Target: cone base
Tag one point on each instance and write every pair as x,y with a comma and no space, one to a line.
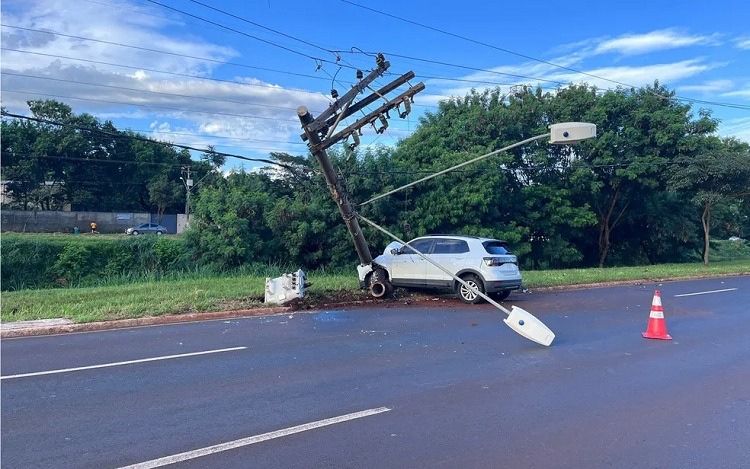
649,335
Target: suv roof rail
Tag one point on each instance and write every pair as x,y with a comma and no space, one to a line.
456,235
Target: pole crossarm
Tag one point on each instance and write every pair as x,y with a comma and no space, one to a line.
373,116
361,104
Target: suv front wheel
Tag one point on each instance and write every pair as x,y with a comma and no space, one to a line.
468,295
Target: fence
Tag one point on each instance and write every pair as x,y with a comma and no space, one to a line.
66,222
44,221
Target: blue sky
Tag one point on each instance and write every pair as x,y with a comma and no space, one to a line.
199,76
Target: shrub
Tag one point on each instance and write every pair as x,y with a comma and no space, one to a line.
44,261
73,264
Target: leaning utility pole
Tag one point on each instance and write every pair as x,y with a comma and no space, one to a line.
319,133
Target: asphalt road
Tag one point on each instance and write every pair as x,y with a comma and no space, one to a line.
441,385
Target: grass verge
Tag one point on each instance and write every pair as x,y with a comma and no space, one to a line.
246,292
553,278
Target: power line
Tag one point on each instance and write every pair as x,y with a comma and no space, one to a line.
465,67
143,139
260,26
65,182
315,77
571,166
91,160
552,64
316,59
156,51
323,48
246,116
248,103
168,72
335,52
289,36
145,13
238,139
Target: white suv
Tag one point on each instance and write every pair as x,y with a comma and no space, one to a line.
484,263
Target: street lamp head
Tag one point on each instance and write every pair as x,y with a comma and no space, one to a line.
571,132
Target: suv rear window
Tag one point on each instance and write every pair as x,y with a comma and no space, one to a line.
496,247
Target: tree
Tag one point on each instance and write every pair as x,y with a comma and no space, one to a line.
164,192
228,227
718,173
88,164
525,196
640,132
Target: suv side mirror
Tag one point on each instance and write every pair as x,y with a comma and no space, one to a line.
395,251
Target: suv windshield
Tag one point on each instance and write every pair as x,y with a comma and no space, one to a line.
496,247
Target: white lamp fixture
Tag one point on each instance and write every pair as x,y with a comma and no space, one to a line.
571,132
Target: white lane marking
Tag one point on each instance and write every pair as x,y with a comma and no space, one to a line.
706,292
253,439
129,362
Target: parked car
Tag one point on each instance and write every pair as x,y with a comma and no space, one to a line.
146,228
486,264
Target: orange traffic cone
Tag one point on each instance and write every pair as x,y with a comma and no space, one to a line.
657,327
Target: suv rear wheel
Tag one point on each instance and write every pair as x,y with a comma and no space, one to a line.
468,295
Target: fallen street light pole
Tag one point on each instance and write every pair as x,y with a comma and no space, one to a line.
520,320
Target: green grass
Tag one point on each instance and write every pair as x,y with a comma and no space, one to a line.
246,292
153,298
552,278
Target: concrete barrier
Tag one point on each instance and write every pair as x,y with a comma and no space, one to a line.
65,222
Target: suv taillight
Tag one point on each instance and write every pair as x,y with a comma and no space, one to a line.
496,261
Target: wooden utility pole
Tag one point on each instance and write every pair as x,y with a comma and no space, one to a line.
319,133
185,170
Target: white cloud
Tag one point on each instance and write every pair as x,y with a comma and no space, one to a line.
549,77
743,43
192,111
712,86
743,93
114,26
632,44
139,75
739,128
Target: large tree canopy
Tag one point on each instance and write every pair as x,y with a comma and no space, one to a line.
647,189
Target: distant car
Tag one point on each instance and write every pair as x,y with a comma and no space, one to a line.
485,264
146,228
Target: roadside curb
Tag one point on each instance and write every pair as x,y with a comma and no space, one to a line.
139,322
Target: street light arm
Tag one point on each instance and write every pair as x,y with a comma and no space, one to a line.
461,165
